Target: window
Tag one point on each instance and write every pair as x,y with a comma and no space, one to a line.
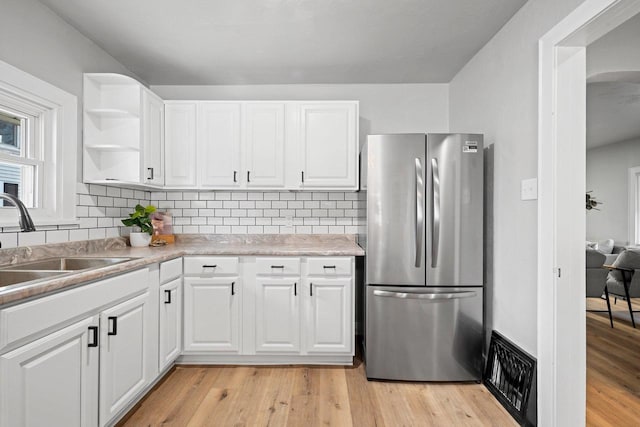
19,164
634,206
38,143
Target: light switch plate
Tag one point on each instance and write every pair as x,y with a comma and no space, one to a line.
529,189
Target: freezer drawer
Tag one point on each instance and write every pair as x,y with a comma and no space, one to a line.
424,334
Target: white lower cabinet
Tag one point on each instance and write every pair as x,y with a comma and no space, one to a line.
212,314
277,315
52,381
170,314
329,315
123,355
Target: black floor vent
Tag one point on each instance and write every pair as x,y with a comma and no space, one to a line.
508,376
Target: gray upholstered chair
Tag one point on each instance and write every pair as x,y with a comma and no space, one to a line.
596,278
622,280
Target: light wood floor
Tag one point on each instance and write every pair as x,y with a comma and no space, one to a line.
310,396
337,396
613,367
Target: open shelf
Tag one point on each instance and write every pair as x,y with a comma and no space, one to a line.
112,147
113,113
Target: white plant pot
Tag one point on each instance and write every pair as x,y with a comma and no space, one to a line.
139,240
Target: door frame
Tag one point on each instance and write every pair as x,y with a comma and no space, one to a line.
561,261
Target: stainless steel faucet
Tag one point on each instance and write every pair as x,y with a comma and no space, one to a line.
26,223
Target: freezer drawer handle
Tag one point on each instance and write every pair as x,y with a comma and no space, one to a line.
419,213
430,296
435,212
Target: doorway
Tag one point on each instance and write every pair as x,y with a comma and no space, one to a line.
561,213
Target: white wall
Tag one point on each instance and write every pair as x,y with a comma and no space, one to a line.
496,93
37,41
616,51
607,177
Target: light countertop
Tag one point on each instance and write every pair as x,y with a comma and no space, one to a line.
241,245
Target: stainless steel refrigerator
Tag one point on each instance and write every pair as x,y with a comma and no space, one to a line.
424,257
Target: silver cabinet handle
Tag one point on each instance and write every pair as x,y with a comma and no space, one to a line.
419,199
435,212
428,296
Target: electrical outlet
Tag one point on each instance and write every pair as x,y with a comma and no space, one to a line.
529,189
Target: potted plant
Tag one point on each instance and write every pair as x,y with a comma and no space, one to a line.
140,218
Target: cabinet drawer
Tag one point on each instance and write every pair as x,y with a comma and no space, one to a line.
40,315
209,265
278,266
169,270
329,266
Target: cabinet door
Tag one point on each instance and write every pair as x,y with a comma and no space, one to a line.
123,359
52,381
170,322
180,143
277,321
329,322
219,144
212,314
264,132
153,137
329,145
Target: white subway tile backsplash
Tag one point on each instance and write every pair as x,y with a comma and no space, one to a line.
231,221
81,234
98,190
205,195
32,238
8,240
113,192
100,210
224,229
97,233
57,236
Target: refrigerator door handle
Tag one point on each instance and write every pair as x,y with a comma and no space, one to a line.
424,296
419,212
435,212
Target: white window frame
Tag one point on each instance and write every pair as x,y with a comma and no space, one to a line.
634,206
55,118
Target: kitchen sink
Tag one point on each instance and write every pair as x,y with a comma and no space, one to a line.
12,277
67,264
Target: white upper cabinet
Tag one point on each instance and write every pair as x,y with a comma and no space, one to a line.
153,137
264,135
122,132
329,145
219,144
180,143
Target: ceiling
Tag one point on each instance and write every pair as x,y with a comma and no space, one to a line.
289,41
613,112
